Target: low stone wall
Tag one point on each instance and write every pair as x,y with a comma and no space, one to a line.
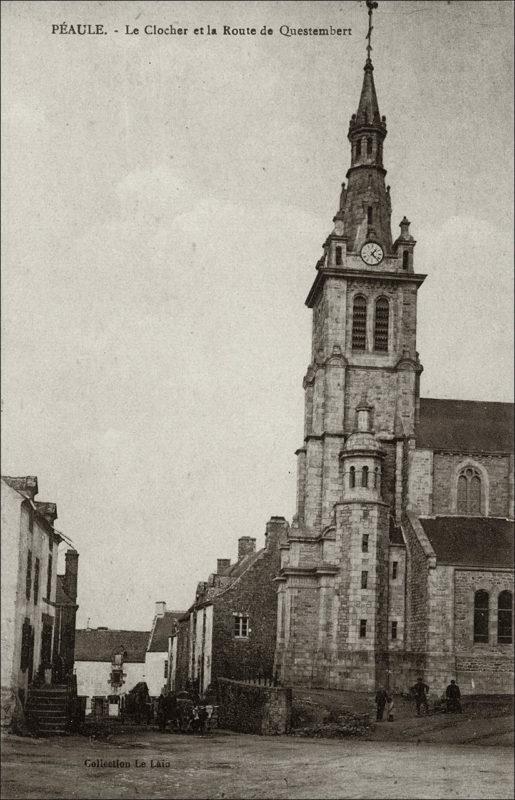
250,708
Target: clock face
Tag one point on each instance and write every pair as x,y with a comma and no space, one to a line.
372,253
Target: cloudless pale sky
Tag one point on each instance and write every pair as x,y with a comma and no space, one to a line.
165,202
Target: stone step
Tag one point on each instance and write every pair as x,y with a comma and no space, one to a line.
50,713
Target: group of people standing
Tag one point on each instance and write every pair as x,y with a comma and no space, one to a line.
419,692
185,710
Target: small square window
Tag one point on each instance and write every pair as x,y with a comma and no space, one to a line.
364,579
394,629
241,626
362,629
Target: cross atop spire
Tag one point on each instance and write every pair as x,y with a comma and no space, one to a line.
370,5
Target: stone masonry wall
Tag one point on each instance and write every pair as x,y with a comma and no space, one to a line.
249,708
445,476
253,594
421,482
396,596
482,667
417,597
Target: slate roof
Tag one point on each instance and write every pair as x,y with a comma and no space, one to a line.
163,628
465,426
99,645
471,541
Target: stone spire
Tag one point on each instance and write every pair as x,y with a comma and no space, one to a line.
368,108
366,210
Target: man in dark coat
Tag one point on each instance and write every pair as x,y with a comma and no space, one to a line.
162,709
381,700
453,698
420,691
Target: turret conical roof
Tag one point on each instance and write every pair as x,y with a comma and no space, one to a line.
368,108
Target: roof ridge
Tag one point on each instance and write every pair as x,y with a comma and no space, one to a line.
467,400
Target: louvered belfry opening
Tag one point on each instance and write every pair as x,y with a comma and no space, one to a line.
359,323
381,325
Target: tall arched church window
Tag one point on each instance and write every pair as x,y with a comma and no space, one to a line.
468,497
505,618
381,324
358,148
352,477
481,613
364,476
359,323
369,146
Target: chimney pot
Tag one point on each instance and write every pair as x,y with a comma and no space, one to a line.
71,570
246,546
222,564
160,608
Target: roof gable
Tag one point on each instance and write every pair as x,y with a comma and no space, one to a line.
465,426
163,629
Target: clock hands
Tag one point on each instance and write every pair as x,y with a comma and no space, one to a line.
372,253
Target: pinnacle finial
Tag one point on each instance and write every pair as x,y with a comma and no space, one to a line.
370,5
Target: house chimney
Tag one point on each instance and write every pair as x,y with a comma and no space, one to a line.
160,608
71,571
246,546
276,530
222,564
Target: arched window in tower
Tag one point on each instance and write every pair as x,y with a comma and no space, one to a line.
381,324
359,323
376,478
405,260
369,146
468,495
364,476
358,148
505,618
352,477
380,151
338,255
370,214
481,614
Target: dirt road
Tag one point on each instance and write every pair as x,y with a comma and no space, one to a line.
225,765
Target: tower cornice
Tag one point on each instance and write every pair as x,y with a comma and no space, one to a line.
328,272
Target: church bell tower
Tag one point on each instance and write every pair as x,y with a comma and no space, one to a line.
361,404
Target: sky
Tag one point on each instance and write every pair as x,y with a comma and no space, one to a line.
165,202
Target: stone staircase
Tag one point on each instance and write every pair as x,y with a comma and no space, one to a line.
47,709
